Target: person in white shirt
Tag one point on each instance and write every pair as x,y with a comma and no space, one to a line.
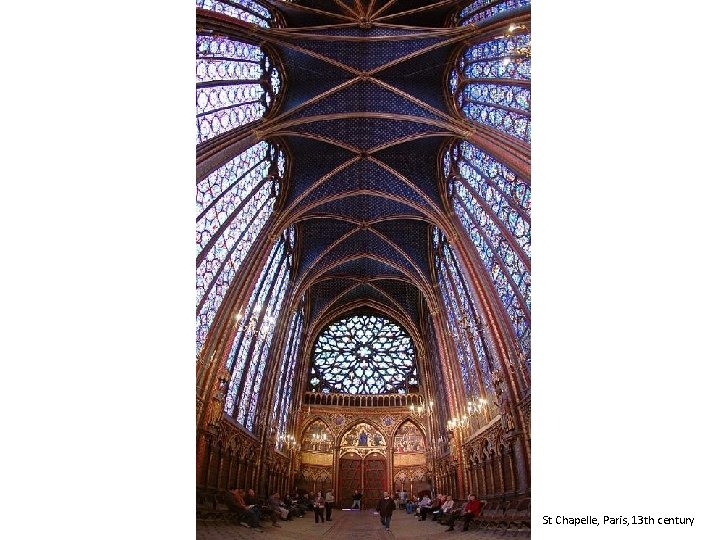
425,502
329,503
445,509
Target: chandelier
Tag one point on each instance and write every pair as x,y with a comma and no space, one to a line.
521,53
288,440
421,410
474,408
251,326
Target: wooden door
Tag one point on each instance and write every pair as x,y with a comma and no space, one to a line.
350,477
375,479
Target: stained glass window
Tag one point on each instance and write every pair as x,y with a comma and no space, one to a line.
480,10
363,354
464,320
245,10
236,84
433,383
256,327
233,204
493,205
491,81
284,390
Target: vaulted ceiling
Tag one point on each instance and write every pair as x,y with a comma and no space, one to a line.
364,118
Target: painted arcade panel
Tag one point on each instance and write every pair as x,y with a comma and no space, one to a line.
363,436
317,438
408,439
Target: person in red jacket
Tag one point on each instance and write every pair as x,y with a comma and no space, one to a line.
471,510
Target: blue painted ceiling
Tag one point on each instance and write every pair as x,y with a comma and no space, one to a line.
370,97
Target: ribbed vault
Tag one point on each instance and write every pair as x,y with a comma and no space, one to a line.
364,119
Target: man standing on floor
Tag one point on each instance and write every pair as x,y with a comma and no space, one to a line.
356,500
385,506
329,503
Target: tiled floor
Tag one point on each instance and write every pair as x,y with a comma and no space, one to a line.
346,525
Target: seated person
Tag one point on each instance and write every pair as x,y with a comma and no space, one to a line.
410,504
295,510
470,510
252,501
306,502
276,507
434,505
445,509
424,502
236,502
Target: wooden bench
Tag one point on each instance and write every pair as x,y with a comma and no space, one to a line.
517,516
210,506
456,509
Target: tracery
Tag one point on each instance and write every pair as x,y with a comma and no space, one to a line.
256,328
490,85
479,10
464,319
233,204
363,354
236,84
284,390
493,206
245,10
491,80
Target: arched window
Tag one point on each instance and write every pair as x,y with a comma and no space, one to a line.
363,354
256,327
433,386
245,10
464,320
233,204
493,205
480,10
236,84
491,80
284,390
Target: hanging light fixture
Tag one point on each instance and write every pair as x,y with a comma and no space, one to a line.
520,53
420,410
251,326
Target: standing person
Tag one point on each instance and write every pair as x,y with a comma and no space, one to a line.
356,500
470,510
403,498
329,503
319,507
385,506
